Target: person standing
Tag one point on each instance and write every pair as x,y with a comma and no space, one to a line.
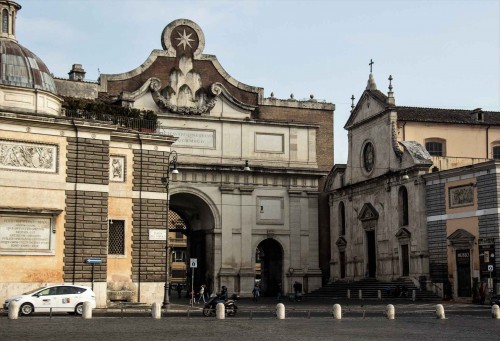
179,290
482,292
201,294
256,292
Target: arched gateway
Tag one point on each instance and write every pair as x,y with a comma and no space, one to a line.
250,173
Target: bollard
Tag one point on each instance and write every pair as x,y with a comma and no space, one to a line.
13,310
379,294
495,311
220,311
390,313
413,295
280,311
348,293
440,311
360,294
156,311
87,310
337,312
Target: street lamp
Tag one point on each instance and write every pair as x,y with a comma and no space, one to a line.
172,160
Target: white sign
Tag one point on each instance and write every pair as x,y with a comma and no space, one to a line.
490,268
193,262
157,234
21,233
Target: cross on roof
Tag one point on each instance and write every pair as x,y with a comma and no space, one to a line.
371,64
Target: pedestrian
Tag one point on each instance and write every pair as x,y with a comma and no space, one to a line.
256,292
482,292
280,292
201,294
179,290
297,289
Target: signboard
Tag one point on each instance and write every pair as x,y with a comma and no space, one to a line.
487,258
193,262
25,234
155,234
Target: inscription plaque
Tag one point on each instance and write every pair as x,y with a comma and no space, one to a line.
25,234
192,138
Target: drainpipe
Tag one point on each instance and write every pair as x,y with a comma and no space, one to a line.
140,224
487,141
75,128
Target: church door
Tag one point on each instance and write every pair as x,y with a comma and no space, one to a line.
342,264
463,273
372,254
405,260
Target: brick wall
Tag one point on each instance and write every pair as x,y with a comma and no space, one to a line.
92,166
86,227
324,137
86,235
150,171
148,256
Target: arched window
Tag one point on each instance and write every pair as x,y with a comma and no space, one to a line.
403,206
5,21
342,219
436,146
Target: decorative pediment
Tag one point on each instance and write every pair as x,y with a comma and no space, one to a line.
341,244
371,103
403,233
367,213
461,238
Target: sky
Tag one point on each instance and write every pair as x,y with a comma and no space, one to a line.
441,53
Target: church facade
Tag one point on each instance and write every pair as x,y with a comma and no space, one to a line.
82,184
384,222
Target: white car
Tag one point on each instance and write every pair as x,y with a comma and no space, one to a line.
61,298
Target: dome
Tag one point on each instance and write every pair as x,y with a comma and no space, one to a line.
21,67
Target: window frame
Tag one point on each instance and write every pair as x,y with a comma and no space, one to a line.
436,140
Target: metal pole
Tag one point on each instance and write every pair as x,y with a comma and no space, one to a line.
166,182
92,276
192,286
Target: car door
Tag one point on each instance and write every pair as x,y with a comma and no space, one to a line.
45,299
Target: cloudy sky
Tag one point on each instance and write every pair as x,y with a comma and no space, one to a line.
441,53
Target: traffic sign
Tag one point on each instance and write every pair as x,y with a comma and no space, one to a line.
193,262
93,260
490,268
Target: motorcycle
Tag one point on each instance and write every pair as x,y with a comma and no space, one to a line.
229,305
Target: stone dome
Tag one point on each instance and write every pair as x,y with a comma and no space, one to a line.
25,81
21,67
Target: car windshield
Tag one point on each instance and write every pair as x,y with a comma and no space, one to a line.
32,291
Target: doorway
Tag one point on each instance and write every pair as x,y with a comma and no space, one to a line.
372,254
342,264
463,273
405,260
269,266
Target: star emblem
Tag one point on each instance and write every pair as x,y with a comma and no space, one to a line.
184,39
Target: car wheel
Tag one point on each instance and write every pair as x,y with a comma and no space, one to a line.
79,309
27,309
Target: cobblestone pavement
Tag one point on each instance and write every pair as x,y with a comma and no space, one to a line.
307,320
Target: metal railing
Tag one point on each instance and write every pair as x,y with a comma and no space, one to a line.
137,124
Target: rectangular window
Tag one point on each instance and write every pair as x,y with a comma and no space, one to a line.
434,148
116,237
496,152
179,256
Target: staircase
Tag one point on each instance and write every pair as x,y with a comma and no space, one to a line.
370,288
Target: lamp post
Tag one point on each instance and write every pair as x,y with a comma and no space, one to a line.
172,160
